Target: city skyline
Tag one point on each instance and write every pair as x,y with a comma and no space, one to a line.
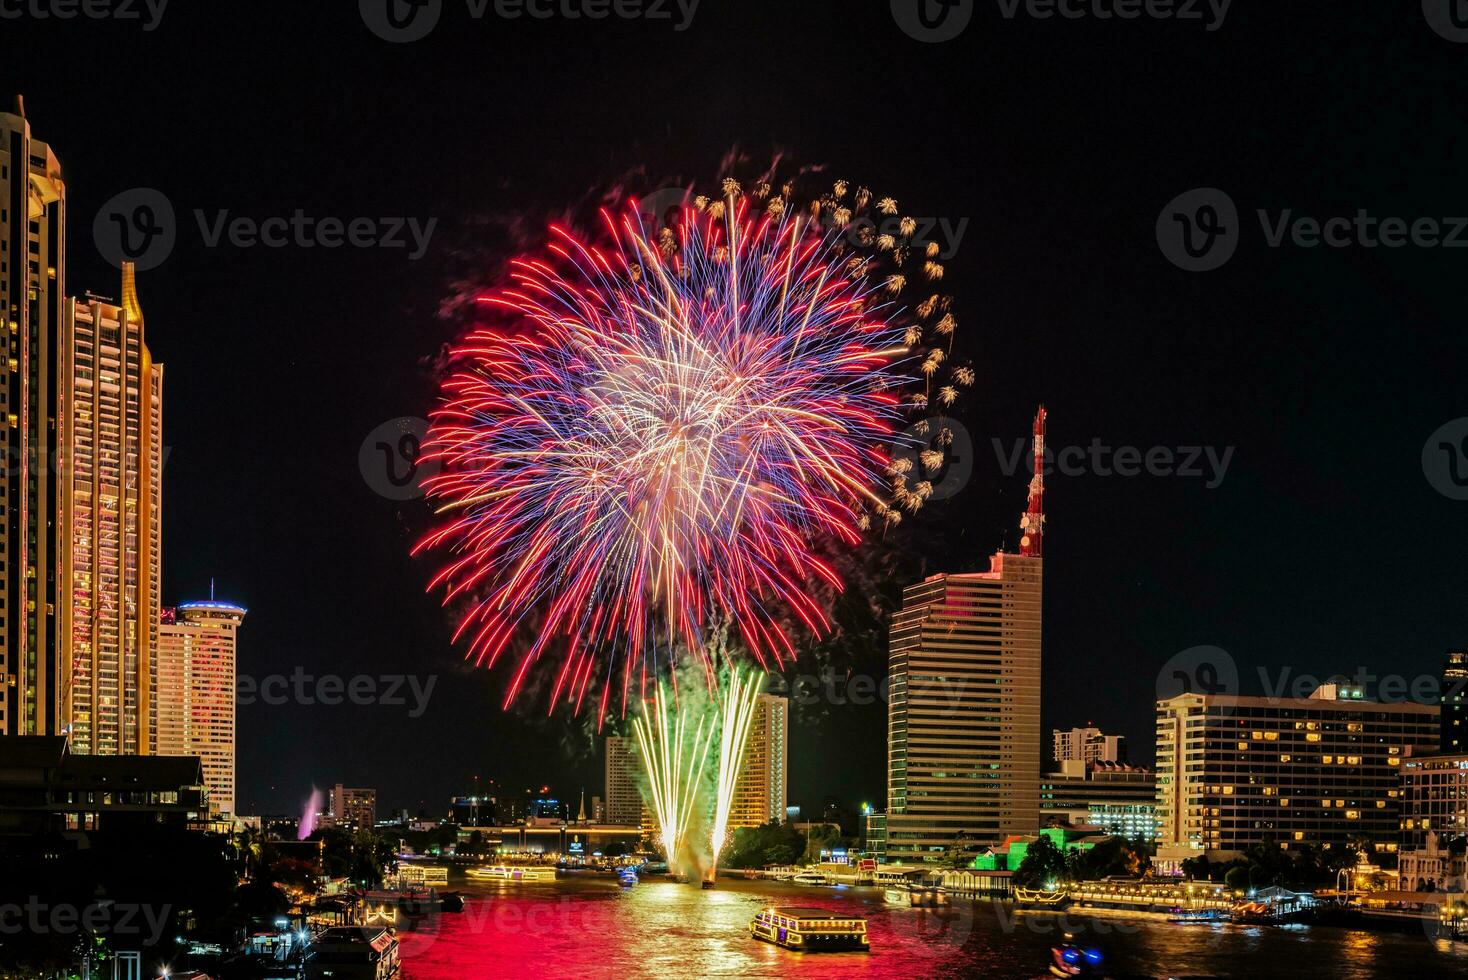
1225,587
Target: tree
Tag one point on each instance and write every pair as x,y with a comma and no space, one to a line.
1043,864
821,838
1237,876
773,843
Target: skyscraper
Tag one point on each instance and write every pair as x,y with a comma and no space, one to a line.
111,513
1454,699
761,790
963,753
623,800
32,291
196,660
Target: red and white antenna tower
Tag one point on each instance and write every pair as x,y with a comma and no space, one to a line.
1032,524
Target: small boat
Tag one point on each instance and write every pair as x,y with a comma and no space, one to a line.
627,877
809,878
1185,917
1040,898
810,930
1070,959
501,872
917,896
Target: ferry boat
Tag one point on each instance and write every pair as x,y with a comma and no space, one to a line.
917,896
353,954
809,878
810,930
501,872
1197,916
1040,898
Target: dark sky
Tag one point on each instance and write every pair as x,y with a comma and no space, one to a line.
1325,369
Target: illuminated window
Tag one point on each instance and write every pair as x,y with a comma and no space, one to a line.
1312,737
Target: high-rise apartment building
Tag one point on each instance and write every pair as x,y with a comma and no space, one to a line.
80,508
623,799
1325,770
1454,701
761,790
963,714
357,807
112,514
1087,745
196,661
32,307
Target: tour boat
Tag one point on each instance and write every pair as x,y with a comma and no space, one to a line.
810,930
501,872
916,896
809,878
1197,916
1041,898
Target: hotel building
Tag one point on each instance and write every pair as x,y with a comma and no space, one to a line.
355,807
760,792
1087,745
112,514
1234,771
623,800
963,712
32,304
196,691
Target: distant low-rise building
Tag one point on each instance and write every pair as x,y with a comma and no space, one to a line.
1116,798
45,789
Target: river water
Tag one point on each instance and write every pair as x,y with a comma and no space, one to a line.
587,926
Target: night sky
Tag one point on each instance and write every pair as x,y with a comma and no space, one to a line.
1325,546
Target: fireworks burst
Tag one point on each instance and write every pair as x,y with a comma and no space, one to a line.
654,436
